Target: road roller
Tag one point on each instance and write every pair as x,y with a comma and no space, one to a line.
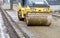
35,12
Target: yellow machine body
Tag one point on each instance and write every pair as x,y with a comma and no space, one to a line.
36,9
35,15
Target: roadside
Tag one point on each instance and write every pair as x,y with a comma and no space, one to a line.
3,29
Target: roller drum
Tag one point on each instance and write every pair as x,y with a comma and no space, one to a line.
35,20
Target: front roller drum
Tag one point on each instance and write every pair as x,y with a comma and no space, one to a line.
34,21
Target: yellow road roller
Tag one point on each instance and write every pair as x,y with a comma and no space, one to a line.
35,12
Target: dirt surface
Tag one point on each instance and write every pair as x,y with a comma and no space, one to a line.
52,31
47,32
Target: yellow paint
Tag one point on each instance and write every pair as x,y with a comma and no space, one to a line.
22,11
43,9
28,9
50,10
19,7
37,9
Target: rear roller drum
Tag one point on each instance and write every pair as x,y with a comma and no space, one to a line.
38,21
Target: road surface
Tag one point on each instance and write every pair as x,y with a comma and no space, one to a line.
52,31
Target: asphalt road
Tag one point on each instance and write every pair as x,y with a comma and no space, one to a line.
52,31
